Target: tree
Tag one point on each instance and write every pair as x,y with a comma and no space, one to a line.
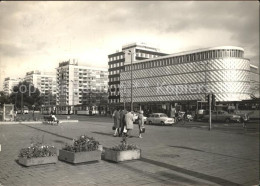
4,99
25,94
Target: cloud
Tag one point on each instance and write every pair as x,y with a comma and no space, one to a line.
42,33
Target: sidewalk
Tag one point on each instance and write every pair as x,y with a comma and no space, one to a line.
170,156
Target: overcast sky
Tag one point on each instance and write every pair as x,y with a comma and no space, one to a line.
39,35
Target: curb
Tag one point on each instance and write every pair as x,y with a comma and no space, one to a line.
20,122
34,122
69,121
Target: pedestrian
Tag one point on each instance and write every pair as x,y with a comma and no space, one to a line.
113,114
122,121
129,119
176,117
141,123
116,122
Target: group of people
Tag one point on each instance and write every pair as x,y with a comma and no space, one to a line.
123,122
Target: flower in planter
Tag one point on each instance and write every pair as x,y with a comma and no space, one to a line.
83,143
124,146
37,150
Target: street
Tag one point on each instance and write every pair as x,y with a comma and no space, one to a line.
178,155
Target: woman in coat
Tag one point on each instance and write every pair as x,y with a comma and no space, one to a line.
141,122
122,121
116,122
129,118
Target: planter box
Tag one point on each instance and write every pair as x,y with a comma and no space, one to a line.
79,157
118,156
37,161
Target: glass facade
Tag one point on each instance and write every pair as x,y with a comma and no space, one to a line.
189,76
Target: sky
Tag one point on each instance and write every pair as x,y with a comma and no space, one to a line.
37,35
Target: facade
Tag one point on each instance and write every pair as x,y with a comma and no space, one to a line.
80,85
46,83
134,52
254,81
9,84
188,77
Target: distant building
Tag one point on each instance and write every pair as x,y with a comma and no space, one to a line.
117,61
46,83
185,78
9,83
80,86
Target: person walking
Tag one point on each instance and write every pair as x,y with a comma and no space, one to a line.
129,119
116,122
141,122
122,121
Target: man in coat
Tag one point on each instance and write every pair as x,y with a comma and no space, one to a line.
129,119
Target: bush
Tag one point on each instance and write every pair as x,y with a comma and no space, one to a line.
83,143
37,150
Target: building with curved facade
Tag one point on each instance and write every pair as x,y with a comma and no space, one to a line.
188,77
117,61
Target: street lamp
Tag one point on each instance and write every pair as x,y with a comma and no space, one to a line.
72,96
131,53
210,94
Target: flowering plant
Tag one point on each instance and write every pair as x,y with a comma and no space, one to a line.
37,150
124,146
83,143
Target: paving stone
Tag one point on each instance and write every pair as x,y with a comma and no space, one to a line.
201,154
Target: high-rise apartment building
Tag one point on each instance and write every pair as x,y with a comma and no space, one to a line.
46,83
116,61
9,83
79,85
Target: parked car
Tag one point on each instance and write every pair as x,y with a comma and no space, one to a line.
159,118
26,110
222,116
19,111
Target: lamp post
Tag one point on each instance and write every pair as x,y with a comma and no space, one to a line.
72,96
33,106
131,53
132,82
210,94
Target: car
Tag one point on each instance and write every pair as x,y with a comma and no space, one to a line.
160,118
26,111
222,116
19,111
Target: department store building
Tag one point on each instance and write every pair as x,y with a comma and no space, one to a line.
184,79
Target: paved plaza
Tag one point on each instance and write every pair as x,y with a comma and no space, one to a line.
170,156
